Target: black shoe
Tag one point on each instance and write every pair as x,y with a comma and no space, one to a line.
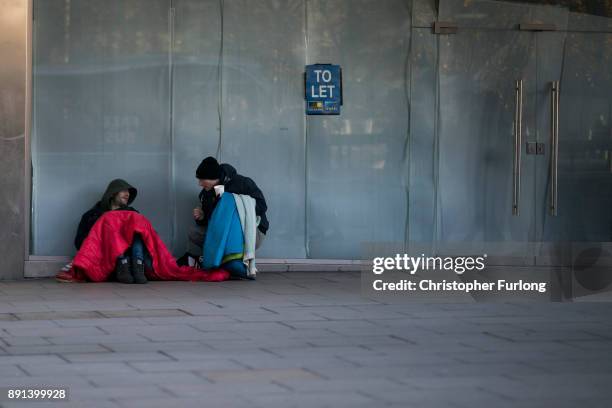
124,275
138,271
183,260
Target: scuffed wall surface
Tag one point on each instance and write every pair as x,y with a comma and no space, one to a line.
12,141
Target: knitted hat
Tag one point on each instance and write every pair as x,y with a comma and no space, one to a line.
209,169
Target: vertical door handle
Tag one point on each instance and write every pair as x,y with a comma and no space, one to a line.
518,125
554,143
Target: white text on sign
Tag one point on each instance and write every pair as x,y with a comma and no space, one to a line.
321,91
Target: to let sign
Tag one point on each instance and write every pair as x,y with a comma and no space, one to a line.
323,89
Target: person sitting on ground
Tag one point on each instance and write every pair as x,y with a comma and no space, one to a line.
118,196
210,174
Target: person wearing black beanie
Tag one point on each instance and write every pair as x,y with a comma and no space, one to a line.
210,174
209,169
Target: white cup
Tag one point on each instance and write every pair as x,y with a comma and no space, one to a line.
219,190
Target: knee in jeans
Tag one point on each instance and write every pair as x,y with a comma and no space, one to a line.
196,234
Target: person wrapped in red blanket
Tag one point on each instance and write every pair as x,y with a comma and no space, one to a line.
112,235
113,232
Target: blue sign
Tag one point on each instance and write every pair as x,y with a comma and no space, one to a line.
323,89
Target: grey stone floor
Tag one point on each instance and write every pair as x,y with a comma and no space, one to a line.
297,339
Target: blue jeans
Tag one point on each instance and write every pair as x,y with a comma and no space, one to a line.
138,251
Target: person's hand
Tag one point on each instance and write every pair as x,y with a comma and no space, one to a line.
198,215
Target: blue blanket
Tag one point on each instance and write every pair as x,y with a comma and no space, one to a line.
224,240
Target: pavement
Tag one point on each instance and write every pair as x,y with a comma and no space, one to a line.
297,339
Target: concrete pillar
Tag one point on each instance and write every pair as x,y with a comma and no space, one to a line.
13,76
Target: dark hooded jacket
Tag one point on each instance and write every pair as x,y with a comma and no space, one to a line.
90,217
237,184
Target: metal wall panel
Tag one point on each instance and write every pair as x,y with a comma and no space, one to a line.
493,14
586,22
424,12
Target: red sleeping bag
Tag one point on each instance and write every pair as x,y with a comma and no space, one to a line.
112,235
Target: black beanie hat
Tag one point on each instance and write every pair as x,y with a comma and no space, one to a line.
209,169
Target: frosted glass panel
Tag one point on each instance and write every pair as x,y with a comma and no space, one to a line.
585,142
197,41
142,91
357,162
422,136
259,111
101,101
475,130
263,112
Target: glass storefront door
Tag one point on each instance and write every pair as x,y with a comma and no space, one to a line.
478,98
575,210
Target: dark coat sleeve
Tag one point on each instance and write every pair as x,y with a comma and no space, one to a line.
250,188
208,202
87,221
245,185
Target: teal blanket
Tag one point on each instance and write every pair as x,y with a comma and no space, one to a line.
224,240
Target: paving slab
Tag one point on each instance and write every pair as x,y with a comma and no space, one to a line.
303,339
